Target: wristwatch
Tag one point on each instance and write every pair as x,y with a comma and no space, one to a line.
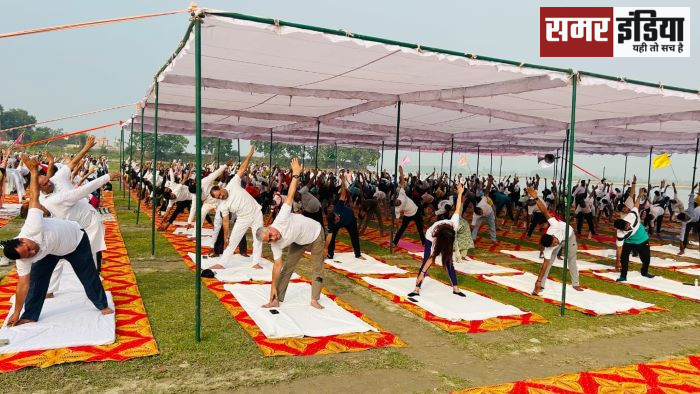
295,176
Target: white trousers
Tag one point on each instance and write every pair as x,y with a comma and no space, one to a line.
254,222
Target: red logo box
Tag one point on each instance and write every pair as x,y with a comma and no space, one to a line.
576,31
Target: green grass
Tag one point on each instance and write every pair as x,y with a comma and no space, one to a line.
227,358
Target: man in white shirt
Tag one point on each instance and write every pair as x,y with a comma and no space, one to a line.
299,233
553,242
179,198
37,249
484,211
406,207
248,212
209,203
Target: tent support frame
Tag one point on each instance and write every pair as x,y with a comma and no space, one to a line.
574,82
153,181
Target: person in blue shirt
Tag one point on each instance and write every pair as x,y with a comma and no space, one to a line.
632,236
342,216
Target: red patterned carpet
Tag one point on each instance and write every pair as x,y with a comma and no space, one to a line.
134,337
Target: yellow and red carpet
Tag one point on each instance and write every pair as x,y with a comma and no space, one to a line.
134,337
680,375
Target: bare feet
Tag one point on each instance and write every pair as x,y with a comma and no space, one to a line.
361,258
217,267
316,305
24,321
538,289
578,288
272,304
49,295
258,266
107,311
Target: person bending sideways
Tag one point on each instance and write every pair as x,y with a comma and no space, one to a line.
37,249
632,236
553,242
342,216
404,206
439,243
238,202
298,233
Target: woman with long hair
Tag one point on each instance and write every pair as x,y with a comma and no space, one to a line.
439,244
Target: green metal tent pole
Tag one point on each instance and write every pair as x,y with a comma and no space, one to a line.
477,161
624,177
381,169
270,150
396,174
564,166
198,172
695,163
303,155
153,181
491,171
131,159
218,151
574,81
649,174
141,173
121,162
239,149
442,160
500,168
556,173
336,157
318,136
603,172
452,152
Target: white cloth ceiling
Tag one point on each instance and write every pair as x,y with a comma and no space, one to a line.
260,79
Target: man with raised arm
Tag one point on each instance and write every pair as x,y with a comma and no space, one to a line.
406,207
248,212
553,242
631,235
61,180
37,249
299,233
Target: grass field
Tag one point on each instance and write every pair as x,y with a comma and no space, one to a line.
228,359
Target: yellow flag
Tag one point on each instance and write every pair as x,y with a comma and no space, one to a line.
661,161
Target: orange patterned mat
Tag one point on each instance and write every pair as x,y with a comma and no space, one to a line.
10,199
680,375
354,342
134,337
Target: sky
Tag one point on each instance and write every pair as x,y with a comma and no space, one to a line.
68,72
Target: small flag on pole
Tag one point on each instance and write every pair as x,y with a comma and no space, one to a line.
462,160
661,161
405,161
19,138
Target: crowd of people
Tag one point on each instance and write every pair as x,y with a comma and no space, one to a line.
306,210
306,207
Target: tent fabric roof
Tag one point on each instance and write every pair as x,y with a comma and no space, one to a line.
263,78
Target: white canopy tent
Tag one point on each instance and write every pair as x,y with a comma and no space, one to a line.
245,77
263,78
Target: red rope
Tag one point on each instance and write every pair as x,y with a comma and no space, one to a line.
87,24
62,136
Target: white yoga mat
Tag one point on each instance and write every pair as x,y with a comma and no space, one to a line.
657,283
233,261
437,298
346,261
296,317
534,256
475,267
600,303
68,319
673,249
656,262
690,271
190,231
